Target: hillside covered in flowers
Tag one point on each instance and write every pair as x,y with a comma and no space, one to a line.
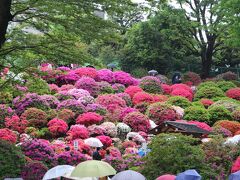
43,113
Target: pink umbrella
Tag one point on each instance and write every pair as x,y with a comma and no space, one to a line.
166,177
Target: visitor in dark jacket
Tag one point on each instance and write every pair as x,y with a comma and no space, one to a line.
176,79
96,154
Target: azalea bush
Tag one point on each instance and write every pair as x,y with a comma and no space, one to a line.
78,93
226,85
88,84
97,108
142,107
126,98
232,126
118,88
72,158
86,71
137,121
105,87
234,93
16,124
12,160
142,97
39,150
105,75
95,130
181,86
108,100
206,102
219,113
34,170
166,88
159,98
126,111
74,105
192,77
229,104
208,92
78,131
132,90
5,111
124,78
151,84
182,92
197,113
35,117
106,140
179,101
8,135
110,129
66,114
236,115
89,118
160,112
57,127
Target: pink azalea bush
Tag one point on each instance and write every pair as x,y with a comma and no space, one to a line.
234,93
78,131
182,92
137,121
95,130
106,140
105,75
88,84
72,158
108,100
78,93
5,111
124,78
126,98
206,102
126,111
74,105
89,118
69,78
166,88
201,125
118,87
57,127
181,86
8,135
16,124
110,129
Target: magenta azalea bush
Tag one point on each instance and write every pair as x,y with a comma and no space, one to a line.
78,131
124,78
88,84
105,75
106,140
57,127
89,118
72,158
34,170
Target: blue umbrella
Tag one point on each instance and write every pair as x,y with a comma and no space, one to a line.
190,174
235,176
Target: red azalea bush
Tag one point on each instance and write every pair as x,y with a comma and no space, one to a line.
8,135
72,158
137,121
88,84
160,112
201,125
182,92
236,166
34,170
16,124
57,127
78,131
206,102
66,114
181,86
132,90
166,88
108,100
232,126
89,118
86,71
192,77
234,93
106,140
142,97
159,98
35,117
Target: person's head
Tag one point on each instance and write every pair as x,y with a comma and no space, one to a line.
130,138
98,148
107,152
67,148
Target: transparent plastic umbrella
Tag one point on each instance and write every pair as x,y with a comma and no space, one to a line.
128,175
58,171
190,174
93,142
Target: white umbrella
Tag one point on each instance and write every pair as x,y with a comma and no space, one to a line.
128,175
58,171
233,140
93,142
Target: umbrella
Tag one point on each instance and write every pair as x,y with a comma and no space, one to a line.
111,65
93,168
93,142
128,175
57,171
166,177
190,174
152,72
233,140
235,176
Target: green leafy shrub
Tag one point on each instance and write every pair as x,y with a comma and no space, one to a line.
230,104
38,85
208,92
5,97
172,153
11,160
206,84
179,101
196,113
225,85
219,113
139,72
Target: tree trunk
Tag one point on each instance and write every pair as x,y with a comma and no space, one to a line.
206,67
5,17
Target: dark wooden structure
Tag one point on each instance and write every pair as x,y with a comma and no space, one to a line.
179,127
